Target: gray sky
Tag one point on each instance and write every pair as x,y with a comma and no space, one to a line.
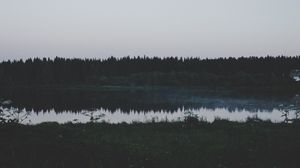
102,28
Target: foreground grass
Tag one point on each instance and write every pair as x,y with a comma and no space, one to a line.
179,144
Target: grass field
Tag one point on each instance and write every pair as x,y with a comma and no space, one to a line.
179,144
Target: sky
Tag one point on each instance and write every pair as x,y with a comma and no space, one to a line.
104,28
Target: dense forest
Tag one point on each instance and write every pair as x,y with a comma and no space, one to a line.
154,71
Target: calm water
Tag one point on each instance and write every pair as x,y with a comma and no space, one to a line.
116,106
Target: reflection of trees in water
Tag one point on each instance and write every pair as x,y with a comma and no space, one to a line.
137,101
155,108
149,106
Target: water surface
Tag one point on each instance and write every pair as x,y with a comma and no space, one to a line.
116,106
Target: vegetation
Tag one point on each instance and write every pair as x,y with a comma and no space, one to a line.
144,71
190,144
123,84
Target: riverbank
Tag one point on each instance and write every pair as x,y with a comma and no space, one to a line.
222,143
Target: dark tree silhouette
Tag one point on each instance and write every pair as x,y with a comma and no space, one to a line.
145,71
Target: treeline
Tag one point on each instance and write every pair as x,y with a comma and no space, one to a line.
145,71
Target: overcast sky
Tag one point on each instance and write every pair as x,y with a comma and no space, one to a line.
102,28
